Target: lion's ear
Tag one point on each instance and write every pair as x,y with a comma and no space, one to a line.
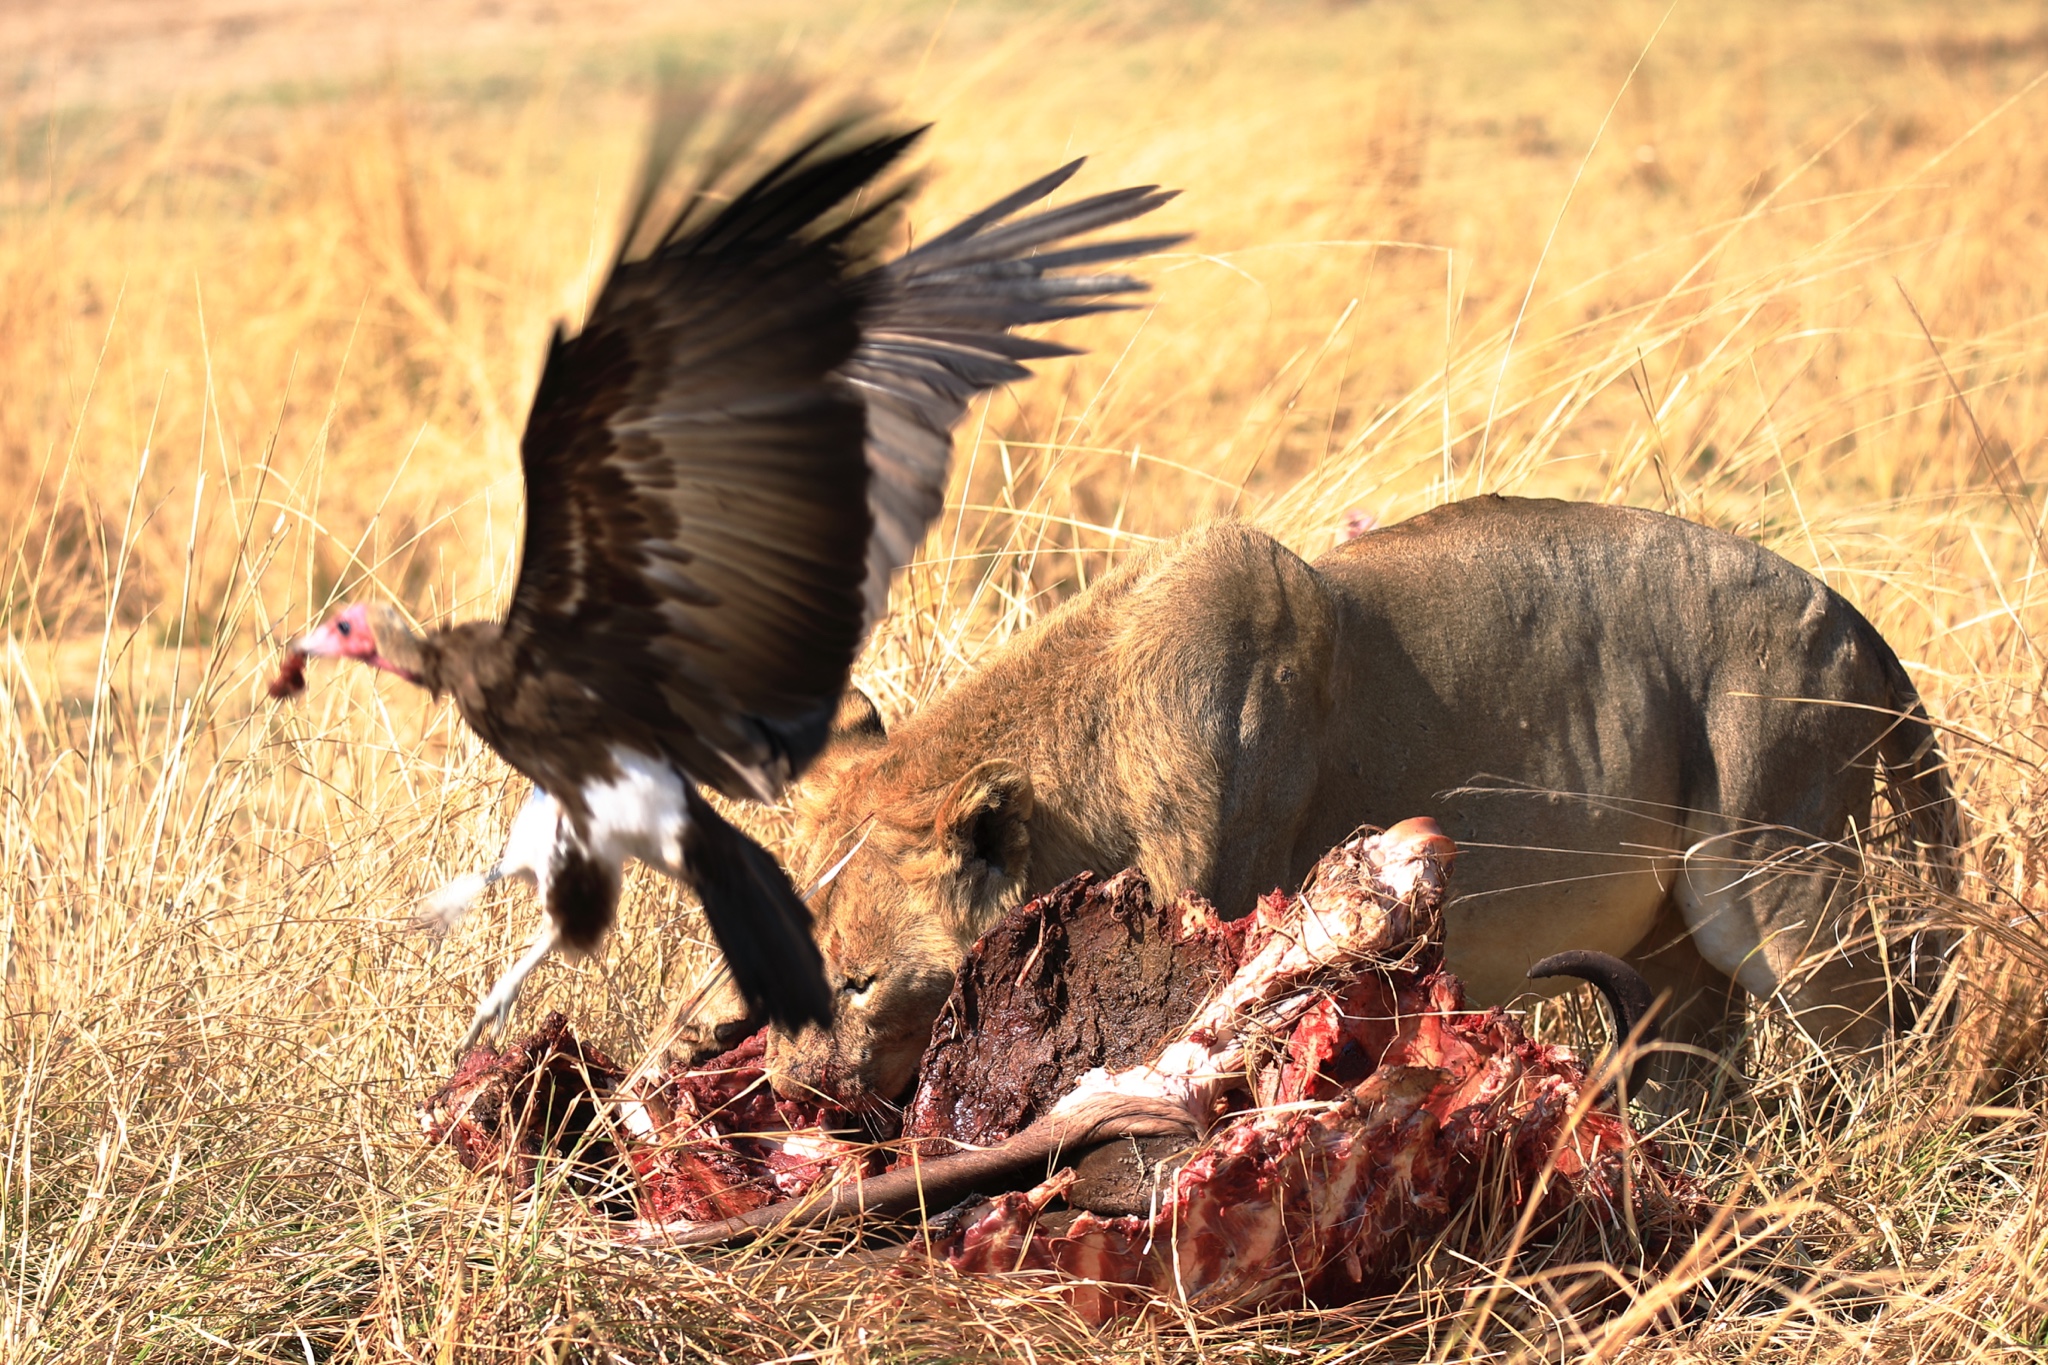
857,720
985,819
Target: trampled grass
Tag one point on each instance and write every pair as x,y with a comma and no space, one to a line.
273,311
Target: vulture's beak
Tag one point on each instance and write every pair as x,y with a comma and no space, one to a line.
324,641
341,637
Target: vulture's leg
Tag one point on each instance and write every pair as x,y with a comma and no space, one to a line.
495,1009
535,831
444,909
579,898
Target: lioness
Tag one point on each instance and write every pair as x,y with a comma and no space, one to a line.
1646,737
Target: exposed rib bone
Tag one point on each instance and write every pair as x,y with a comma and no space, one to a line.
1175,1095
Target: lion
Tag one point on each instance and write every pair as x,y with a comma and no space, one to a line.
1648,738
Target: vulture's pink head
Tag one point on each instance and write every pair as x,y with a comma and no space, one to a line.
351,633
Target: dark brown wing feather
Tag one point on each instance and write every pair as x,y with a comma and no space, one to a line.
935,331
752,433
701,461
697,524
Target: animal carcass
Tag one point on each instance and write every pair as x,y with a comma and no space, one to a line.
1146,1101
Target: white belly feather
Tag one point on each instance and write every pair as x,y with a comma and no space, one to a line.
640,813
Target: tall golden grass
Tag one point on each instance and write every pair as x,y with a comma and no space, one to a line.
1778,268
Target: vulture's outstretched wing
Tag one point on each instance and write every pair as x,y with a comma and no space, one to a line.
935,331
702,458
696,516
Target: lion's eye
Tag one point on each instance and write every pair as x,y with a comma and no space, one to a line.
856,985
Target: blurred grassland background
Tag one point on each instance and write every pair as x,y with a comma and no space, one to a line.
276,277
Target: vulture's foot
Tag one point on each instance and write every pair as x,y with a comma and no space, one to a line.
494,1011
529,849
443,910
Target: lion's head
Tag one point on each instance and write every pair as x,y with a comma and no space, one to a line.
915,869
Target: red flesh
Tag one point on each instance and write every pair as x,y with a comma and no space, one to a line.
1383,1115
291,676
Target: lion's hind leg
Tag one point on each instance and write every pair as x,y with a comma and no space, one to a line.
1701,1009
1780,912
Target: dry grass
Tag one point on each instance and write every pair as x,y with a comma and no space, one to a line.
270,342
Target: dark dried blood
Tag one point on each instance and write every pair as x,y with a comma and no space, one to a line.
1091,974
503,1111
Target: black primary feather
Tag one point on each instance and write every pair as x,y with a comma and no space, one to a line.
752,432
697,525
935,331
726,465
761,924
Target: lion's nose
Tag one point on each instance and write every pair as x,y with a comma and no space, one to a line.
794,1078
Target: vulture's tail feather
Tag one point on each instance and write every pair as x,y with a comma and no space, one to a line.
762,926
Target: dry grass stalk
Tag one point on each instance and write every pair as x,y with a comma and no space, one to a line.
265,348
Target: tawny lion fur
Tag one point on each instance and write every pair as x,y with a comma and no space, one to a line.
1647,737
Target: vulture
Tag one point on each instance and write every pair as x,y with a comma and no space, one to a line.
750,433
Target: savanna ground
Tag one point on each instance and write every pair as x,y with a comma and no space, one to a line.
275,278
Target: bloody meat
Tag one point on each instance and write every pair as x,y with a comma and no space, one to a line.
1284,1110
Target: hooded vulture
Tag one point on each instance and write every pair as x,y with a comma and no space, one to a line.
749,435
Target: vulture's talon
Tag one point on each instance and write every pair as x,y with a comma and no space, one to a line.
476,1031
495,1009
443,910
493,1014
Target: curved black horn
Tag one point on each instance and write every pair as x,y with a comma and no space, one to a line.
1628,997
